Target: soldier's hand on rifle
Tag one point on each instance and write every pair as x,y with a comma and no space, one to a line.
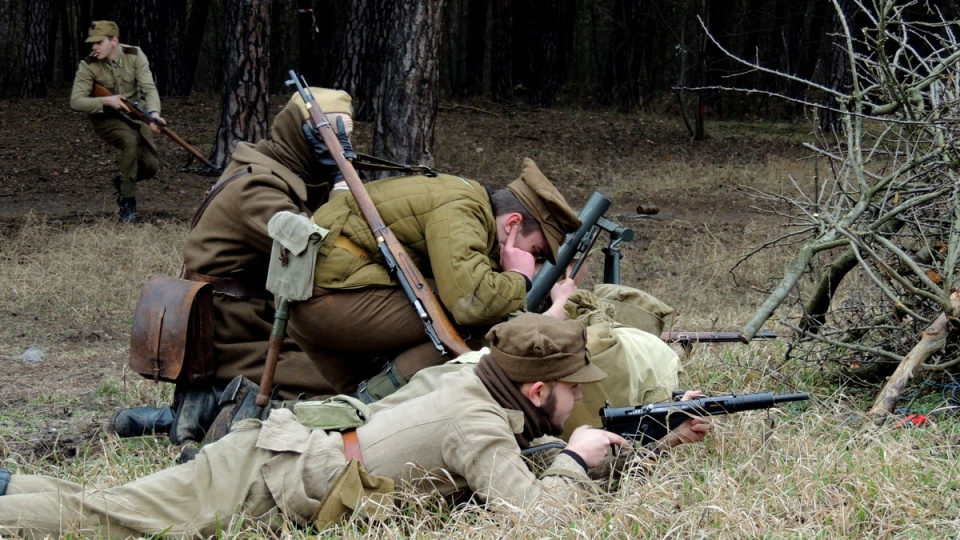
115,102
514,259
692,431
157,123
322,154
592,444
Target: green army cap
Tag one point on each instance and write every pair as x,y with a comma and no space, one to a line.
102,29
547,205
534,347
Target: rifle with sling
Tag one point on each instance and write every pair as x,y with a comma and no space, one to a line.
435,321
138,113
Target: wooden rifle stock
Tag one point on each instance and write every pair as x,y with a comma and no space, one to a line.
280,318
431,313
139,114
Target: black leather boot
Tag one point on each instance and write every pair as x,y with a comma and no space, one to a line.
195,410
128,209
237,402
140,421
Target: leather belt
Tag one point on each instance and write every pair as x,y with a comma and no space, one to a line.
343,242
230,286
351,446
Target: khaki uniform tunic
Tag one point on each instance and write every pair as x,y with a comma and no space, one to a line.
441,434
359,313
129,76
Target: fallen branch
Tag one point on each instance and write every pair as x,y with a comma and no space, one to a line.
933,339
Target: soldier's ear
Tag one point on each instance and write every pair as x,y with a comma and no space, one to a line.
534,392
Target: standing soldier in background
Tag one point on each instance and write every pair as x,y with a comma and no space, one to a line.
125,71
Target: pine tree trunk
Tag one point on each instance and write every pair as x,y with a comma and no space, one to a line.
408,97
37,49
170,73
364,50
195,28
501,52
538,40
244,104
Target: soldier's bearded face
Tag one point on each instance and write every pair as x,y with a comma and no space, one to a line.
559,401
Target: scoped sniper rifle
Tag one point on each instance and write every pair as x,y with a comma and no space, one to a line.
580,242
647,423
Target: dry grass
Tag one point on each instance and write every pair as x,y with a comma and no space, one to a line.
819,473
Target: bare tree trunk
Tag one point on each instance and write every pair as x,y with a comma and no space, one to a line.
195,28
37,50
140,25
408,96
501,52
170,73
244,104
361,70
933,339
306,28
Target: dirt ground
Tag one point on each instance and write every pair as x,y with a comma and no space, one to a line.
54,166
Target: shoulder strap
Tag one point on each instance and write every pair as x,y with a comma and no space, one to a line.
212,192
371,163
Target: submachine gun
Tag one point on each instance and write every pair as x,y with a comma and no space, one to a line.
580,243
647,423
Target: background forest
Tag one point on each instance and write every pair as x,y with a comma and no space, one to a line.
627,54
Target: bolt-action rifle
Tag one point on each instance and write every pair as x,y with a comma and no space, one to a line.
685,338
137,113
435,321
580,242
647,423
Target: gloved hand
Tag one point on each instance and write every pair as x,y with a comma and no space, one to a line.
320,151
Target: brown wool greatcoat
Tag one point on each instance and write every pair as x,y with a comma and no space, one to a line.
230,240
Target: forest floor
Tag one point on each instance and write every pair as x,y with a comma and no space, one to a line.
58,171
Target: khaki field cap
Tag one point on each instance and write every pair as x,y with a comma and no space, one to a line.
330,102
102,29
547,205
535,347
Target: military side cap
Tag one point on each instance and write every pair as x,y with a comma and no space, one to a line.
330,101
547,205
534,347
102,29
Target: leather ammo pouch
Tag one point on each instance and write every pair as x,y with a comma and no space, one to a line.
172,338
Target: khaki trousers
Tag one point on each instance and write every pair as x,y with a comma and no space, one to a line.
138,154
194,499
